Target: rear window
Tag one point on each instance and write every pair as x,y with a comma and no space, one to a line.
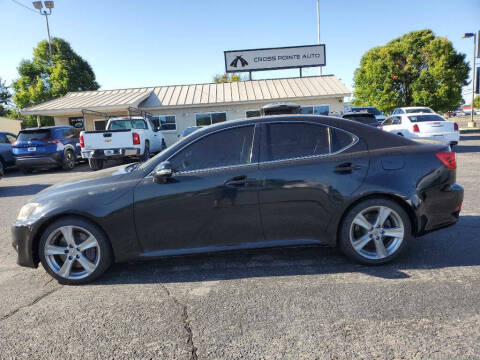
370,110
363,118
127,124
30,135
424,118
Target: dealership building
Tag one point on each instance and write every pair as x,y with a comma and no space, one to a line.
177,107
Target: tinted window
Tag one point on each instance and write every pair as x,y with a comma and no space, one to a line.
100,124
3,139
252,113
293,140
363,118
164,122
340,139
315,110
127,124
29,135
423,118
210,118
370,110
224,148
419,110
11,138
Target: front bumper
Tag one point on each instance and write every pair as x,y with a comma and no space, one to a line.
49,160
110,153
22,242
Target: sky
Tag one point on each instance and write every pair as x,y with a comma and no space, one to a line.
158,42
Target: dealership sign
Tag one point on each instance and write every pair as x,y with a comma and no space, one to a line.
275,58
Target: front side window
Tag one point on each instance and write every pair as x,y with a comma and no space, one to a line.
164,122
227,147
210,118
315,110
252,113
294,140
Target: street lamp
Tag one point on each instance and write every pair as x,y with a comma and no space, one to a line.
466,36
48,5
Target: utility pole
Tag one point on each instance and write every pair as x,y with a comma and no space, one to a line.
318,27
48,5
466,36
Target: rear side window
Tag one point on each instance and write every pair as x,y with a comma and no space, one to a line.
294,140
424,118
227,147
340,140
30,135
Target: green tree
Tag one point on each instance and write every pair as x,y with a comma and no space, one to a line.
224,78
476,102
42,80
5,97
416,69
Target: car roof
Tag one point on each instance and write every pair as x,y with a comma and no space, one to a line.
358,113
414,107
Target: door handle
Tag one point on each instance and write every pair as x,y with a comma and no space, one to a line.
236,182
346,168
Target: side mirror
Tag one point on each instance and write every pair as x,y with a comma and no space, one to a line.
162,172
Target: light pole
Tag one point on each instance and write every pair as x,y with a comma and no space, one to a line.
318,27
48,5
466,36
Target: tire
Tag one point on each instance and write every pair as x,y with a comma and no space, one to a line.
369,250
68,162
65,260
146,152
96,164
26,170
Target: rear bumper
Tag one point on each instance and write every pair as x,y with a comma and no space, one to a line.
110,153
22,242
441,210
48,160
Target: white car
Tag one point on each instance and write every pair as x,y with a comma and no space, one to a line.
423,126
130,137
413,110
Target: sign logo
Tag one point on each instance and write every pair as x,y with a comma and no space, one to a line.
238,58
108,140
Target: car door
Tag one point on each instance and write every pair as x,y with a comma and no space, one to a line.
307,171
6,141
155,137
210,202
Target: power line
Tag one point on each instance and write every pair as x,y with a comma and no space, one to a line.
23,5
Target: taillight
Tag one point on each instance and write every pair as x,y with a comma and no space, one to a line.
459,207
416,129
448,159
136,139
455,126
52,141
82,143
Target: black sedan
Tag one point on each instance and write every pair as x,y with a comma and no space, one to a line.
264,182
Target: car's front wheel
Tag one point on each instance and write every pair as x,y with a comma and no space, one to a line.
74,251
375,231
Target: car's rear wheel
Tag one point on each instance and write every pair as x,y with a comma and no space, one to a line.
68,162
96,164
74,251
375,231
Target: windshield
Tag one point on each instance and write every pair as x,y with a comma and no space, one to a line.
369,109
29,135
127,124
424,118
419,110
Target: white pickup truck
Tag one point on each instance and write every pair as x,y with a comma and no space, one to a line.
125,138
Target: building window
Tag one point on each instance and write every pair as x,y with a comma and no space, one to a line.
100,125
252,113
164,122
76,122
315,110
210,118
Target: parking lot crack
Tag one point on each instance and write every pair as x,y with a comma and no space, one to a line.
186,323
30,304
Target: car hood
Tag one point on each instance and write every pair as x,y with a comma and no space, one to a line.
109,180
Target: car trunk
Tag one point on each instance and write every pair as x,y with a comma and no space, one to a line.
35,142
435,126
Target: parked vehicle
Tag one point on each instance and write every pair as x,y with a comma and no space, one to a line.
188,131
413,110
423,125
6,155
1,170
46,147
125,138
362,117
271,181
380,116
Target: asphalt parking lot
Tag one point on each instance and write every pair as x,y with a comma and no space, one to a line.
293,303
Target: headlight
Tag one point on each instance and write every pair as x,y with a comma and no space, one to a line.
27,210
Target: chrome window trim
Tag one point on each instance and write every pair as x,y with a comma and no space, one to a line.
258,163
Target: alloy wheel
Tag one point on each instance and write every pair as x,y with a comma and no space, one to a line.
377,232
72,252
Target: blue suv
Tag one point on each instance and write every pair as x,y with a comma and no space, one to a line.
47,147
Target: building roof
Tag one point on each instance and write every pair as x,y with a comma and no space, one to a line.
252,91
